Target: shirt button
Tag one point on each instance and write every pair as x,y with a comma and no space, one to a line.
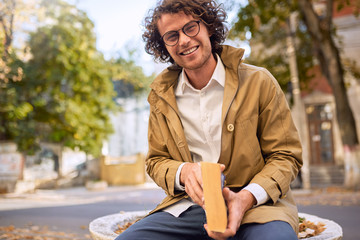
230,127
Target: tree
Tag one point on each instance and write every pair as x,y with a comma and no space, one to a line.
126,69
264,20
64,93
12,108
68,81
263,24
320,27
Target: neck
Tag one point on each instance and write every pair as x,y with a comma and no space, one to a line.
199,78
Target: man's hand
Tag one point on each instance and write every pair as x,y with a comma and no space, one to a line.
190,177
238,204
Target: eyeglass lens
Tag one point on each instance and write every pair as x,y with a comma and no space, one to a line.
191,29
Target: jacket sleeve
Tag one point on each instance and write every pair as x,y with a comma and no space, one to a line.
278,138
160,163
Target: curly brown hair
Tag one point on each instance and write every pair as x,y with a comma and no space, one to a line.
212,14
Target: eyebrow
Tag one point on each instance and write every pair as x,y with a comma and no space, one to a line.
179,28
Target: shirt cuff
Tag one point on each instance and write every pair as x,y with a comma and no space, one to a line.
258,192
178,186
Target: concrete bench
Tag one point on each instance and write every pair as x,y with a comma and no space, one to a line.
104,228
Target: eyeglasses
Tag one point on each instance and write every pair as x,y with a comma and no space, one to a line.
191,29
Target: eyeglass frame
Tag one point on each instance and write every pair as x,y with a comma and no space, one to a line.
183,30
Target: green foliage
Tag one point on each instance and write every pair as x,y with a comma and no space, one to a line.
340,4
14,107
266,22
126,69
2,36
63,93
69,83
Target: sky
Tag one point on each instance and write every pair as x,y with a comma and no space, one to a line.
119,24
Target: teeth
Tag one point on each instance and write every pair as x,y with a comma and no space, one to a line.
190,51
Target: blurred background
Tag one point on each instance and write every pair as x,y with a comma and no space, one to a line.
74,79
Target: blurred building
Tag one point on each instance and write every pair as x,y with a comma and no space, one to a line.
130,123
123,161
325,149
325,145
53,166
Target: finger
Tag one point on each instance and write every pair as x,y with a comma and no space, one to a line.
194,190
233,221
197,198
235,216
198,175
222,167
217,235
228,196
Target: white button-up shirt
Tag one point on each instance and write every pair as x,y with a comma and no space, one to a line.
200,113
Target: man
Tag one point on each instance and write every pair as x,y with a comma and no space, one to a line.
209,106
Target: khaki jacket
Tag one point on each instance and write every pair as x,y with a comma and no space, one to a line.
259,144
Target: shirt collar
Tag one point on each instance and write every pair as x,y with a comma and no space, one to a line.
218,76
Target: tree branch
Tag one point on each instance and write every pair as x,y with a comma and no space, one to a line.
329,14
311,18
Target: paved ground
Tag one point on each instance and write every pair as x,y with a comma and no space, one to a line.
66,213
336,204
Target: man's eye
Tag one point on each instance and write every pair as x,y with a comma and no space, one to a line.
171,37
190,28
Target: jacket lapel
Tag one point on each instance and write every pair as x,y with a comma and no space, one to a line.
231,58
166,104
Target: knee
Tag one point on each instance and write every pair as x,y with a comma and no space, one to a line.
288,235
126,235
276,230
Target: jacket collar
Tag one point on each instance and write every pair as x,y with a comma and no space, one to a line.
165,82
218,76
232,56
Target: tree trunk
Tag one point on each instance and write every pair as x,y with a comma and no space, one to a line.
329,58
298,109
7,22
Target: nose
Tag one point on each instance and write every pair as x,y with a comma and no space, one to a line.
183,39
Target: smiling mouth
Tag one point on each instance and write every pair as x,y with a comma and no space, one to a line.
191,50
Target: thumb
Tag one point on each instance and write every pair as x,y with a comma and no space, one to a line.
222,167
227,194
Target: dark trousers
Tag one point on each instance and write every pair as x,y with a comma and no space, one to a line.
190,225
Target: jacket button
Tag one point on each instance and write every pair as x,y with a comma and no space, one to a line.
230,127
181,144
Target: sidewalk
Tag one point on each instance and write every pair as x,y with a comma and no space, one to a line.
66,213
334,196
67,196
330,196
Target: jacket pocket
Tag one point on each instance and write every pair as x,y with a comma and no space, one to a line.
246,155
246,138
